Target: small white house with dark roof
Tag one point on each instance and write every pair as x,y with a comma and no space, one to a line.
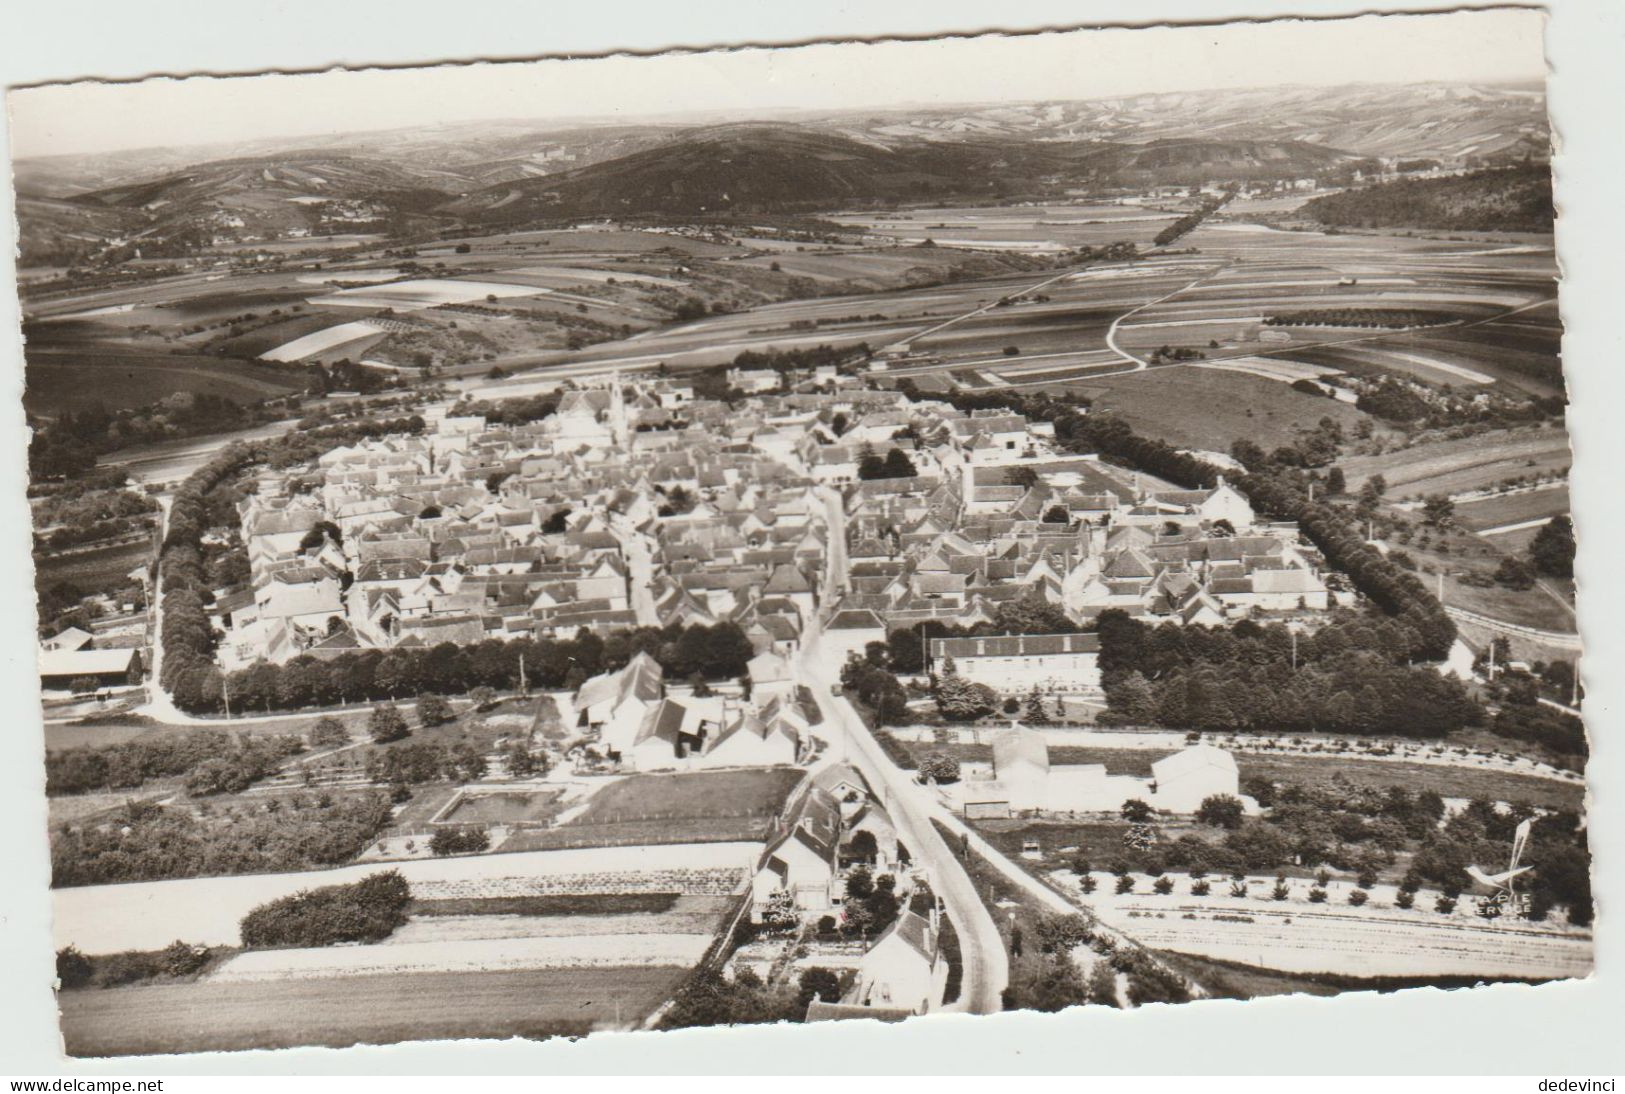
904,968
852,629
801,861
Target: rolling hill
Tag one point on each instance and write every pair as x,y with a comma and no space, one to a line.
779,168
511,171
1513,199
757,167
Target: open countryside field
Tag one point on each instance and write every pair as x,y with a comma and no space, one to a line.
206,1016
1207,409
1470,463
1541,503
1374,940
60,381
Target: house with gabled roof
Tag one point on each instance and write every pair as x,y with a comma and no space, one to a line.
802,862
613,704
670,735
748,739
904,969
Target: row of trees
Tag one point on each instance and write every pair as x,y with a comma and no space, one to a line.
1189,221
204,756
1380,318
719,651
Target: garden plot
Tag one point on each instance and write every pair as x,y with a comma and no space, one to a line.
470,955
1376,939
429,292
149,915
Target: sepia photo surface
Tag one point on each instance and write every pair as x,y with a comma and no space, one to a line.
843,531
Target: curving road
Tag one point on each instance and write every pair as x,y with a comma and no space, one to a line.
986,968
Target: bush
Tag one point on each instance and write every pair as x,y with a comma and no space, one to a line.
1444,905
1280,892
459,841
433,711
385,724
1163,886
1201,888
1221,811
941,767
1125,884
1404,899
1317,895
328,732
1136,811
1359,897
72,967
367,911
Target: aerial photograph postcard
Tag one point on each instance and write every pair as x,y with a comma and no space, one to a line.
852,530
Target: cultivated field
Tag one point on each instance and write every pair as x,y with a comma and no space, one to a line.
699,807
205,911
437,949
72,380
1471,463
1541,503
204,1016
1374,940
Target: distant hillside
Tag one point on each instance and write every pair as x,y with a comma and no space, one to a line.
771,168
309,193
783,168
1514,199
1196,161
1488,122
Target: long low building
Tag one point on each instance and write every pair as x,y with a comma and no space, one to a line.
1016,662
60,669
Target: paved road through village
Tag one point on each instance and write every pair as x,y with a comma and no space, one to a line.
986,969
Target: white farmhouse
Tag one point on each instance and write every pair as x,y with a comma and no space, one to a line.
1184,779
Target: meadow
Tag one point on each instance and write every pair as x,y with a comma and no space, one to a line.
1208,409
224,1017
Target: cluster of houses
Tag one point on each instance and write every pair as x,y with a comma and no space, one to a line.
836,824
621,509
628,719
640,504
1067,530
